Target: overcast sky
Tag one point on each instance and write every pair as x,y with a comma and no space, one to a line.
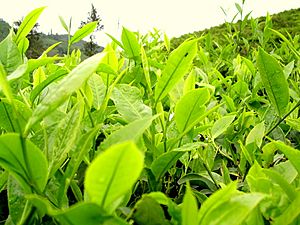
175,17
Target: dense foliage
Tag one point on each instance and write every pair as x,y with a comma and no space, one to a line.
139,134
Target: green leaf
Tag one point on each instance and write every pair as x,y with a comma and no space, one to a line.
63,23
167,42
130,44
177,66
274,81
83,32
82,148
87,214
190,107
189,207
7,120
10,55
290,214
98,90
82,213
28,166
28,23
216,200
234,211
256,134
285,186
70,83
165,161
129,103
221,125
16,200
63,138
112,174
53,77
132,131
292,154
23,45
149,212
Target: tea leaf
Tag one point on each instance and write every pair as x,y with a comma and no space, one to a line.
190,107
274,81
129,103
177,66
256,134
83,32
12,158
290,214
189,207
10,55
130,44
132,131
112,174
235,210
149,212
165,161
292,154
221,125
88,214
28,23
60,93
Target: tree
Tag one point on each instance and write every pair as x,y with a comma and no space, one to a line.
90,48
36,46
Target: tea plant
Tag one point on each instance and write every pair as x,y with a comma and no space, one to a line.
140,134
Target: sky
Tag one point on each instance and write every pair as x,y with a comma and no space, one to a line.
175,17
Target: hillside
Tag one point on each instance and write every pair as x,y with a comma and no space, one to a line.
284,22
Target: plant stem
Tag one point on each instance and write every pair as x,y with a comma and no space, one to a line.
283,118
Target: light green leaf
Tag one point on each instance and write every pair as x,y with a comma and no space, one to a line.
190,107
221,125
70,83
290,214
132,131
23,45
53,77
28,23
292,154
112,174
98,90
28,166
129,103
130,44
63,138
274,81
189,211
285,186
83,32
167,42
214,201
256,134
10,56
63,23
82,148
146,69
234,211
177,66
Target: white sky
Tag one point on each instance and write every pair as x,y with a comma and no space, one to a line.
175,17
